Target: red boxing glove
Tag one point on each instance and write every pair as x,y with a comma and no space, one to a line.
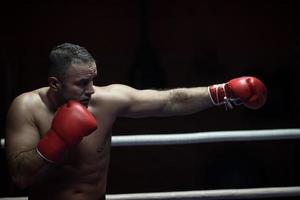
248,90
70,124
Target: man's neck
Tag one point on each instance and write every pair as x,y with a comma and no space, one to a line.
52,99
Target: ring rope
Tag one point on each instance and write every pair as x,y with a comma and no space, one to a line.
205,137
201,137
252,193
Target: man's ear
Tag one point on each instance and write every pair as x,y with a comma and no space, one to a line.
54,83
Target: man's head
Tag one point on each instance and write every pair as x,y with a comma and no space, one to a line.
66,54
71,74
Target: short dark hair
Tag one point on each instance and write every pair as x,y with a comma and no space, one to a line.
63,55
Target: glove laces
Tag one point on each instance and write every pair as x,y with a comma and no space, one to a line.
223,98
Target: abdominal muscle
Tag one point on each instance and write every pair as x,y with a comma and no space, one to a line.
81,177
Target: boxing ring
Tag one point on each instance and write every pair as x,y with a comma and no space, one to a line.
203,137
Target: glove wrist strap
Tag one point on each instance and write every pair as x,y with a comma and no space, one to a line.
219,96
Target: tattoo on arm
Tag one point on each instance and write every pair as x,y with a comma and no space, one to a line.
25,159
28,167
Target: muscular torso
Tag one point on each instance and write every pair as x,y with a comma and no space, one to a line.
83,173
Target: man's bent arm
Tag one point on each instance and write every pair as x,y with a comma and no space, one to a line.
21,138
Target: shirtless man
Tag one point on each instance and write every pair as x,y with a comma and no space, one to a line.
58,137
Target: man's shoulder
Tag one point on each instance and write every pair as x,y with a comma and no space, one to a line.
111,91
28,100
113,96
112,88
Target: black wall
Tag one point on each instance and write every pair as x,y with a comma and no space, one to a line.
167,44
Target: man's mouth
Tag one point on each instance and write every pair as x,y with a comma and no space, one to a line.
85,102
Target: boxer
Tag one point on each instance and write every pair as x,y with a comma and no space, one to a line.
58,137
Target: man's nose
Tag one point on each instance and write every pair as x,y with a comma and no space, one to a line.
90,89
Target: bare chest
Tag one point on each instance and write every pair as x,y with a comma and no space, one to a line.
93,147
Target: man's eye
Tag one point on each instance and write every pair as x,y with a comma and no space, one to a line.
82,83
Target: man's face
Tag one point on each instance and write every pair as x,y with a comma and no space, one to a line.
78,82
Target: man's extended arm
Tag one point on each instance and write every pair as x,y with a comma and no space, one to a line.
248,91
135,103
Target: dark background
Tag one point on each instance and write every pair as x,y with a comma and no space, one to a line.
168,44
